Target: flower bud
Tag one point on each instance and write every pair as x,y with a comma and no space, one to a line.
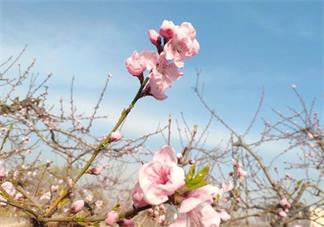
95,170
115,136
77,206
155,38
112,218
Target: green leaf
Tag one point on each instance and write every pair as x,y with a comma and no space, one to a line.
191,173
201,175
199,185
196,181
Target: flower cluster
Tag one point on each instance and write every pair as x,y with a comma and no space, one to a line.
10,189
162,179
179,43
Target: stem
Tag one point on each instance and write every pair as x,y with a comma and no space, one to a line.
52,208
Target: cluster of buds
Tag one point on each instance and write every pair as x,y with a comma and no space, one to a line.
163,178
284,207
158,213
238,172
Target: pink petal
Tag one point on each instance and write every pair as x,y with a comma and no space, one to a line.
189,204
165,154
209,216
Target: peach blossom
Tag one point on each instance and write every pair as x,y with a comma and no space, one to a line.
182,45
161,177
137,63
167,29
161,78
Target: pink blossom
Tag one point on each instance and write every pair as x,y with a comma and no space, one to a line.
282,214
115,136
161,177
198,196
155,38
161,78
150,59
138,197
240,173
196,209
9,188
95,170
167,29
112,218
77,206
182,45
128,223
137,63
158,85
284,203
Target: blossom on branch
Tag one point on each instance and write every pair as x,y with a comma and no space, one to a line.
77,206
196,209
137,63
161,177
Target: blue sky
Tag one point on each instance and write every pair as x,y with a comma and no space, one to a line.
246,46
